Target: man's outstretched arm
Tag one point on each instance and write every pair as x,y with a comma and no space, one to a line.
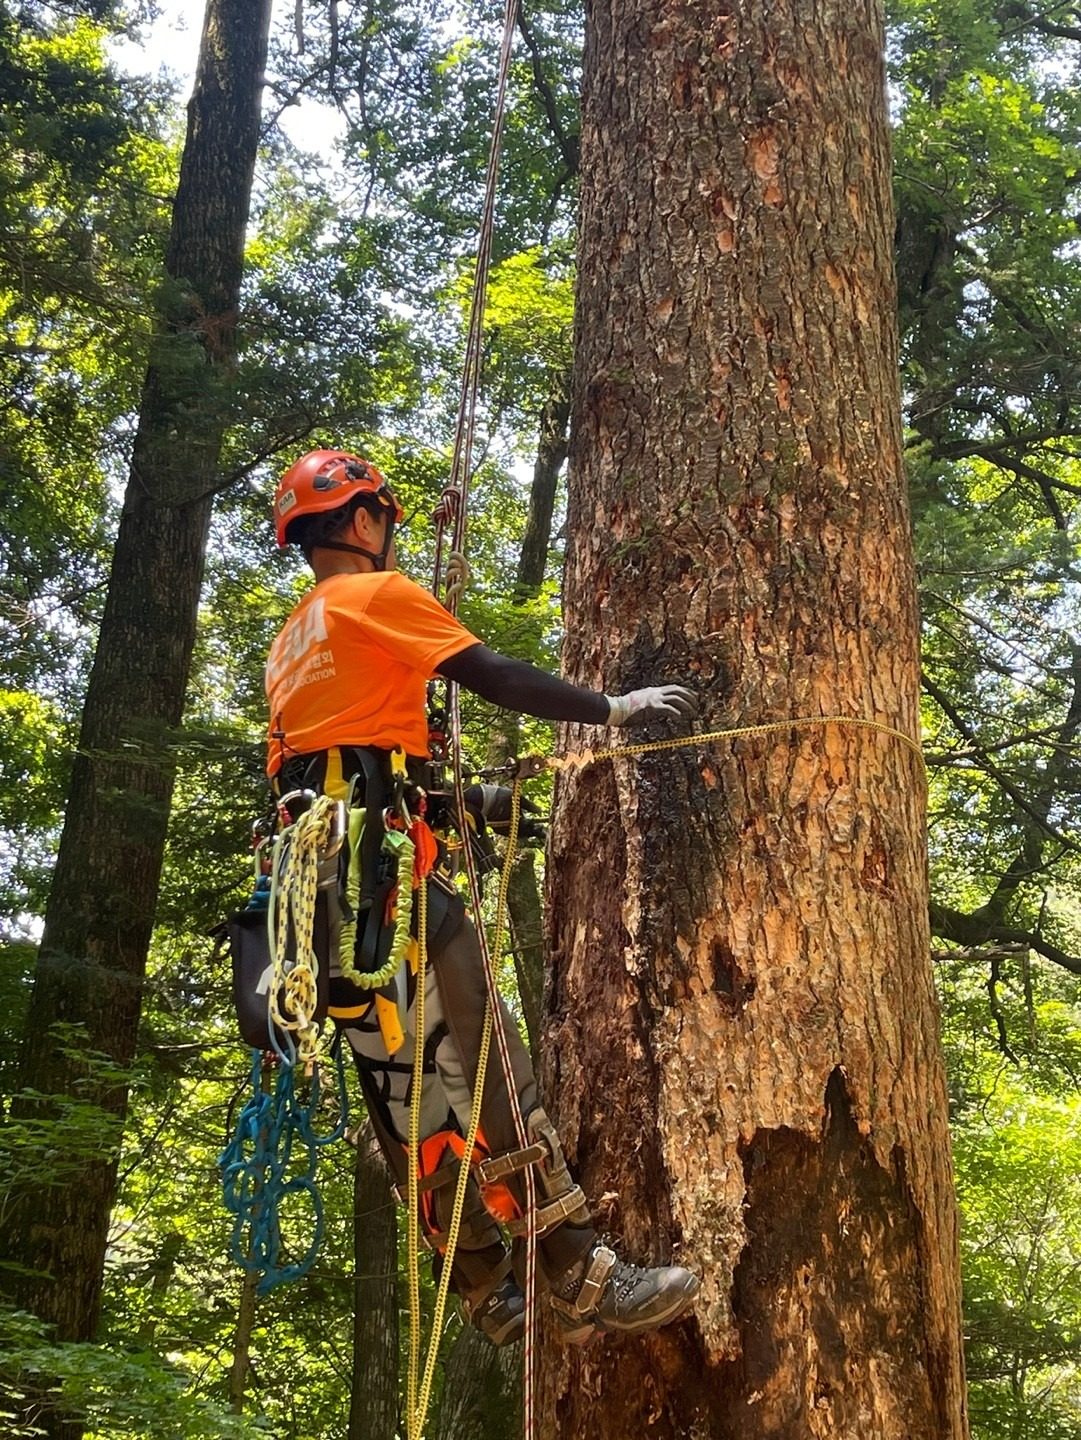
517,685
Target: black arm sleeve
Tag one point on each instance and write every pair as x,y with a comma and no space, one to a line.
516,685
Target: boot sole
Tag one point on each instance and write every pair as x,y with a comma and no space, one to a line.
507,1334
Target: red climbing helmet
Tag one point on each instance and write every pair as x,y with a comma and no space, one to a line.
324,480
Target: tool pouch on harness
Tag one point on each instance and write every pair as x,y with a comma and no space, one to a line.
249,948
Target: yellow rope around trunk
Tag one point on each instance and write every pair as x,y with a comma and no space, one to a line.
418,1391
579,759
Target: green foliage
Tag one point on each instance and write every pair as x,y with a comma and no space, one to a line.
1017,1180
121,1395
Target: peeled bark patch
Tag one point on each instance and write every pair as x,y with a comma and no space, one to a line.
828,1290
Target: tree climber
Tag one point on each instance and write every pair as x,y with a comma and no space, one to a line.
346,682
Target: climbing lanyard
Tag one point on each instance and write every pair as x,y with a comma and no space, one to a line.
452,513
579,759
268,1167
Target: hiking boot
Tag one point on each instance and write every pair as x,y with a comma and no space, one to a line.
500,1315
604,1293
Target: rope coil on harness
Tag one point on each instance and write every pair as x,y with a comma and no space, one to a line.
271,1160
293,993
398,844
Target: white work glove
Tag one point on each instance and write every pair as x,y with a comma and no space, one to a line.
654,703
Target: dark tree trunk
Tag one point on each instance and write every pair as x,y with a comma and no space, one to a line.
742,1031
482,1391
242,1337
97,927
523,900
551,453
373,1401
526,915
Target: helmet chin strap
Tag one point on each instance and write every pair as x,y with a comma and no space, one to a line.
378,559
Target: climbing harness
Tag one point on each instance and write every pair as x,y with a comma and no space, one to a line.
269,1166
271,1157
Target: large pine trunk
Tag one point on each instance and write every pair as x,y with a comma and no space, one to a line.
742,1035
101,908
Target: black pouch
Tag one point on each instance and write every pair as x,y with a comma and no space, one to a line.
249,947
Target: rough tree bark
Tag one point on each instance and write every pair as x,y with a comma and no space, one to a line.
742,1035
97,927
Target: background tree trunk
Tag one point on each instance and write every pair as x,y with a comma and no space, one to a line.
97,930
552,441
742,1035
245,1328
373,1401
482,1390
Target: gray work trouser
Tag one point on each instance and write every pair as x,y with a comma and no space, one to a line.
455,996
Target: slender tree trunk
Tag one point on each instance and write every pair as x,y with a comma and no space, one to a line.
551,453
523,900
245,1328
373,1401
482,1391
97,928
527,935
742,1031
163,1271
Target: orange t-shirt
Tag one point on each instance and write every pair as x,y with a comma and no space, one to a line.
352,664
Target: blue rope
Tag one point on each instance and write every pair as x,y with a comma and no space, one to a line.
270,1160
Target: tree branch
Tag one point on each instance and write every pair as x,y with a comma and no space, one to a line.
977,929
985,763
568,144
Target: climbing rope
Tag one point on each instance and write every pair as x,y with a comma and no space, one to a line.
457,579
418,1390
452,514
294,885
269,1164
414,1418
453,505
494,1018
579,759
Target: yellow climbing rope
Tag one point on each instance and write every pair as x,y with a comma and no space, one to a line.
413,1430
579,759
294,985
